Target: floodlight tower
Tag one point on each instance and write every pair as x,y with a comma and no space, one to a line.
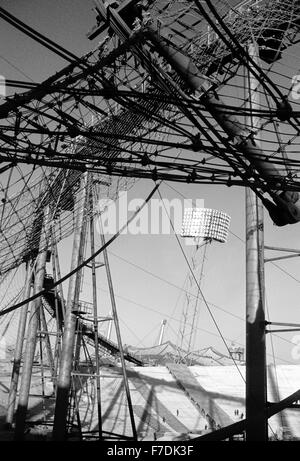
200,227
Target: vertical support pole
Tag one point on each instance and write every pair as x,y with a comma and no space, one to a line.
64,376
44,327
57,276
33,323
76,381
198,299
95,312
161,335
58,315
109,327
118,333
18,350
40,337
256,398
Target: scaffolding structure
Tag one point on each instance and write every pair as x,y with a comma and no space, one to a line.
72,352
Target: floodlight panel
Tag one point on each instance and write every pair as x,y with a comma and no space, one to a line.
205,223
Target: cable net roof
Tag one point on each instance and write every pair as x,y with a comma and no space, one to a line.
22,213
124,111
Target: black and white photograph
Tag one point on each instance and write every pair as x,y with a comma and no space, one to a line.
149,225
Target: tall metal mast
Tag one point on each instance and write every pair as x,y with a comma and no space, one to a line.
162,330
118,332
19,348
256,398
32,330
64,377
95,311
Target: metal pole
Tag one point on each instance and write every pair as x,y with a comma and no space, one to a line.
33,323
118,333
64,376
59,319
161,336
267,260
197,301
109,327
76,383
44,327
18,351
42,366
256,398
290,250
95,317
59,289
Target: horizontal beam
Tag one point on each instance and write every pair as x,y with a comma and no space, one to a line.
99,319
285,330
289,250
283,324
267,260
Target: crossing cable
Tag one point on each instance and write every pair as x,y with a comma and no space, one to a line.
51,45
200,290
87,261
243,54
204,299
258,73
171,317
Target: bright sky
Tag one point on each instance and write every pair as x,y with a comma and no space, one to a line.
144,300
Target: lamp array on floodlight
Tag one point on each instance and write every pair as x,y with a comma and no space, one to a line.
205,223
